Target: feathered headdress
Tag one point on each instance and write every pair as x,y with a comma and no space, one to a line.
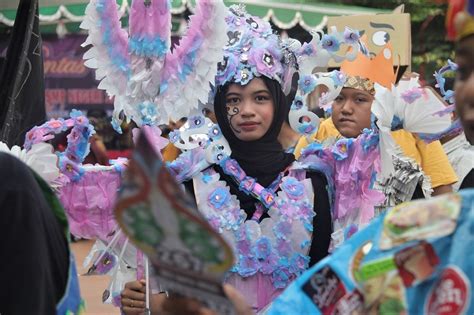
150,83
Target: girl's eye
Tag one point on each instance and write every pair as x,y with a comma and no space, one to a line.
232,100
361,100
261,98
338,99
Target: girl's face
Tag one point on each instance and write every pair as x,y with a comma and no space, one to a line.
351,112
464,86
250,109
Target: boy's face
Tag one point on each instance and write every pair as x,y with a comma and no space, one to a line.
464,86
351,112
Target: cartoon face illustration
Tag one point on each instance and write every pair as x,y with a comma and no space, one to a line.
379,30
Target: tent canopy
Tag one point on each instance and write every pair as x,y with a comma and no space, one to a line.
286,14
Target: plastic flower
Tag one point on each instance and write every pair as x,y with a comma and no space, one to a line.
244,75
298,263
282,229
263,248
370,139
293,188
412,95
268,265
330,43
215,132
226,69
280,278
307,49
195,121
351,36
247,266
243,246
340,150
297,103
266,60
174,136
338,77
76,113
307,83
218,198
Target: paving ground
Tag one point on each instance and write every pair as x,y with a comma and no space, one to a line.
91,286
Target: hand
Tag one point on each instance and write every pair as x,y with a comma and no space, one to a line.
240,305
133,297
182,305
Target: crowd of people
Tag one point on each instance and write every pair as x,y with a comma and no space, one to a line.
296,195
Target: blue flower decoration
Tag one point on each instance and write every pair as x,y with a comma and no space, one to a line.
307,83
330,43
307,50
282,229
338,77
351,36
340,150
297,103
174,136
247,266
280,278
298,263
263,248
293,188
214,132
218,197
195,121
76,113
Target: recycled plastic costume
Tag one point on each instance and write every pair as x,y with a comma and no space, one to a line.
370,171
278,222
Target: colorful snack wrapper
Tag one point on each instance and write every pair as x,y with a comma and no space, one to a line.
417,258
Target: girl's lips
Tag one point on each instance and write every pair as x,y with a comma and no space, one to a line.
342,120
248,126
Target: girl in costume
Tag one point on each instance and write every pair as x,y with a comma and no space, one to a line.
274,211
381,171
362,75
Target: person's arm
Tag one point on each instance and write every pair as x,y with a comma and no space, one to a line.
443,189
435,164
322,222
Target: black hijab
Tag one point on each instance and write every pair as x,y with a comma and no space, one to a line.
35,256
264,159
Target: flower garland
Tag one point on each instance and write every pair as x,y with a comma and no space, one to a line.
70,161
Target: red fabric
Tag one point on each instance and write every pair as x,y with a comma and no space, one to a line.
114,154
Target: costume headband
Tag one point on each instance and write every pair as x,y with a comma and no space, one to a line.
253,50
360,83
